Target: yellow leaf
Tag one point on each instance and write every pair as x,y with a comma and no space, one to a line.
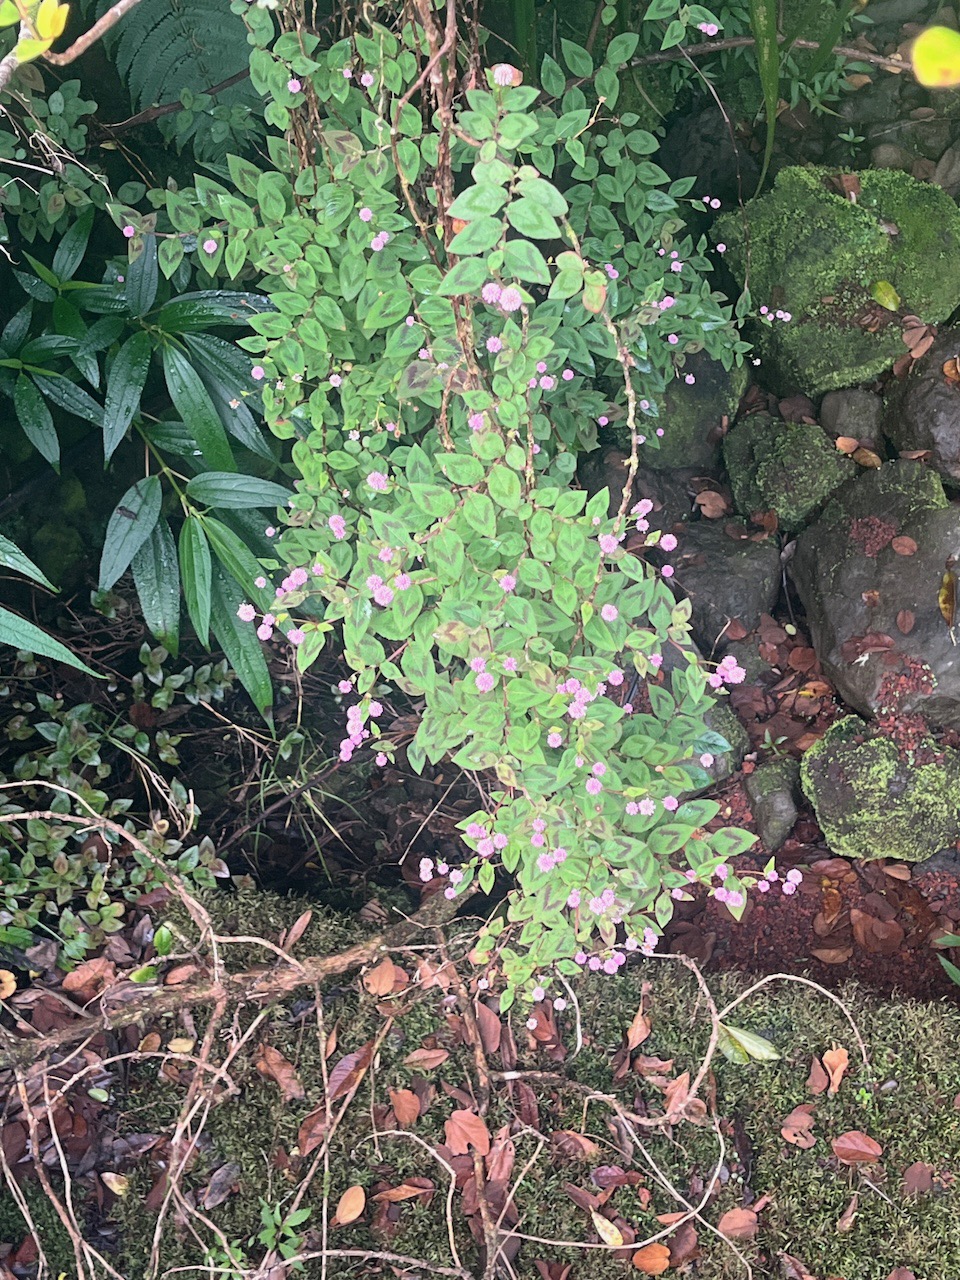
181,1044
27,50
117,1183
8,984
51,19
936,57
9,13
607,1232
882,291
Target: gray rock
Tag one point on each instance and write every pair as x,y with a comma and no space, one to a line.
924,410
669,491
887,155
720,720
747,655
848,593
725,578
772,789
947,172
853,413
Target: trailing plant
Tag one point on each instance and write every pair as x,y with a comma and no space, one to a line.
51,351
465,285
57,880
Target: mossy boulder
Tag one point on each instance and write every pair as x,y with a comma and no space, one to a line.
874,800
822,258
691,415
786,467
771,788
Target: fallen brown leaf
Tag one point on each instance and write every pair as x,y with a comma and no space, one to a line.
854,1147
712,505
312,1129
426,1059
905,621
845,1221
351,1204
465,1130
348,1071
793,1268
652,1259
847,444
272,1064
818,1080
836,1061
406,1191
904,546
867,458
684,1245
380,981
406,1107
797,1128
573,1145
901,1273
918,1179
490,1028
639,1029
8,984
738,1224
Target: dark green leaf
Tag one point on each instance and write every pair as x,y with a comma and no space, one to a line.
466,277
193,312
197,410
11,557
142,279
157,579
21,634
577,58
16,329
36,420
128,376
763,20
69,396
225,489
72,246
195,570
239,641
130,525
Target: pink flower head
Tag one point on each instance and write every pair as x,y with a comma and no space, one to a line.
296,635
547,382
763,886
337,526
210,246
721,248
377,480
494,345
367,79
379,241
554,739
402,581
568,375
612,272
794,876
647,806
706,760
508,582
294,85
676,266
608,543
667,570
671,803
615,677
594,786
258,373
345,686
478,664
129,231
383,596
485,681
491,293
789,888
510,664
668,542
708,28
365,214
347,73
689,379
504,75
609,613
264,632
475,422
510,299
260,582
246,613
672,339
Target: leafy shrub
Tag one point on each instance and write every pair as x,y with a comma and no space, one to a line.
57,879
438,361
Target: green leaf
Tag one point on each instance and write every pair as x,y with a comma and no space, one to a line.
239,641
225,372
36,420
128,376
728,842
882,291
230,491
72,246
195,571
21,634
577,58
525,261
622,48
477,236
740,1046
552,79
503,485
480,201
466,277
530,218
951,969
480,514
763,21
11,557
130,525
157,579
661,9
197,410
193,312
69,396
143,277
233,553
389,309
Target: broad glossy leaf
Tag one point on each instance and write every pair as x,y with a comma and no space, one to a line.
72,246
69,396
130,525
21,634
197,410
226,489
36,420
225,372
194,312
195,571
142,279
128,376
239,641
11,557
156,575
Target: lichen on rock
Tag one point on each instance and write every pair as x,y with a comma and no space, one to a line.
786,467
824,258
875,800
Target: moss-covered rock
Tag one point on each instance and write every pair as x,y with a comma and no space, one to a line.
691,415
874,800
819,256
786,467
771,788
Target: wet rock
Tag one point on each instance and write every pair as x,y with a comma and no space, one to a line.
947,172
853,413
772,789
874,800
692,416
701,144
727,740
817,255
727,579
887,155
871,598
924,410
786,467
670,492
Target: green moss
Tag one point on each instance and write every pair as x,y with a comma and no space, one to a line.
692,414
874,801
812,252
786,467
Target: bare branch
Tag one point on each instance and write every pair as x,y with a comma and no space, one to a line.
81,45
